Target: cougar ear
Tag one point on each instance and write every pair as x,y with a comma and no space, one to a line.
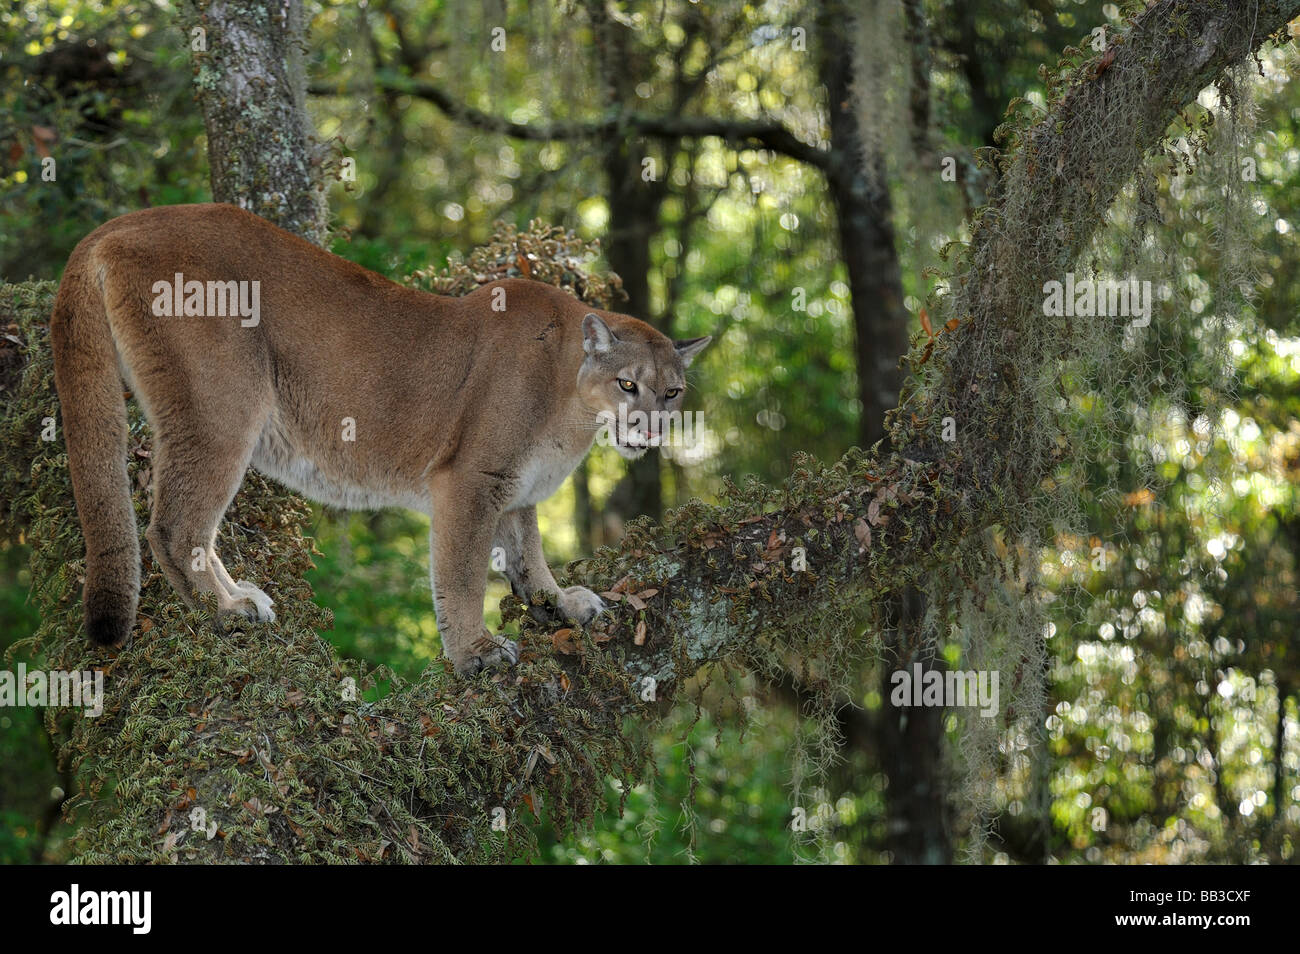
596,336
687,350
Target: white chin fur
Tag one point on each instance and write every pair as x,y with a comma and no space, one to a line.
630,453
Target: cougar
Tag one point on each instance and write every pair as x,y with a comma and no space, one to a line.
246,345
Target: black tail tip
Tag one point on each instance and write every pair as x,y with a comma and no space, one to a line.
107,625
108,630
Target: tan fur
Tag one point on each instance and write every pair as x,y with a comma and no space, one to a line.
469,414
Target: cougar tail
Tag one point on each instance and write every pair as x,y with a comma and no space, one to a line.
89,384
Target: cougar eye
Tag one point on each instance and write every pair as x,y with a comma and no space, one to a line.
672,393
626,385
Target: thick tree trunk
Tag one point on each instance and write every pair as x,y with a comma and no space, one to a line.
635,193
910,742
633,220
1279,757
918,827
250,84
583,517
864,213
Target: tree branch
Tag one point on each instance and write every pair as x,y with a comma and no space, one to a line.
755,133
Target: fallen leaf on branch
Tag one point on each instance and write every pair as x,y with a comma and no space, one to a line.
1107,59
863,533
562,642
873,512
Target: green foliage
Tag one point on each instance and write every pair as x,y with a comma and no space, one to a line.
28,803
102,91
720,780
373,574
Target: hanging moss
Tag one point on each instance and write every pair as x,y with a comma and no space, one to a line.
1037,399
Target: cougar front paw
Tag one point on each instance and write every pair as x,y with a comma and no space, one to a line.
580,604
246,603
261,602
490,652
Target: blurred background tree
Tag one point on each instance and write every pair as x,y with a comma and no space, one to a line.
771,174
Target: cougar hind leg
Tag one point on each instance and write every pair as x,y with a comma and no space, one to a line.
195,479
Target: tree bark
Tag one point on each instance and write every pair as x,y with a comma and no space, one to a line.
250,84
918,826
910,742
865,217
1279,757
635,195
